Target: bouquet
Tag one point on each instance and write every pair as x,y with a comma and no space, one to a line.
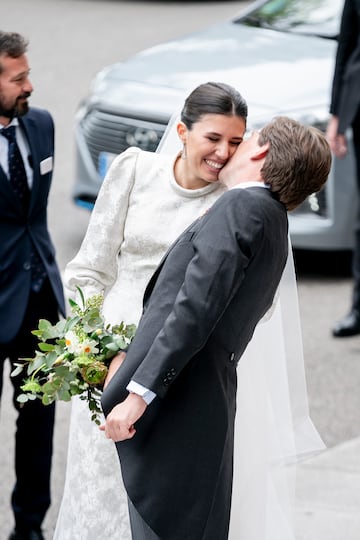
73,356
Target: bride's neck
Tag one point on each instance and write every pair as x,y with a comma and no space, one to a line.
184,178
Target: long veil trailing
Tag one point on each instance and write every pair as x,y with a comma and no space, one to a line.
272,426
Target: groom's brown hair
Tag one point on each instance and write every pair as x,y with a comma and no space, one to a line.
298,160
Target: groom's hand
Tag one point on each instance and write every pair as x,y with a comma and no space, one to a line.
119,424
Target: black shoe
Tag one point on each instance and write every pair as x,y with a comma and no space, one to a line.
32,534
348,326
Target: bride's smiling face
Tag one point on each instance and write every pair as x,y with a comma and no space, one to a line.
208,146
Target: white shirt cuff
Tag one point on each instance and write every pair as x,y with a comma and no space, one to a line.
140,390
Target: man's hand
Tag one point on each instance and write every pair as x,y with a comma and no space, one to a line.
119,424
337,141
114,366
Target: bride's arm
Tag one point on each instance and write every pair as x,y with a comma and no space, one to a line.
114,366
95,266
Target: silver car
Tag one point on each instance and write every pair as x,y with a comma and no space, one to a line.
278,53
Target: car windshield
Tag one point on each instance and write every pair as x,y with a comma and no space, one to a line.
315,17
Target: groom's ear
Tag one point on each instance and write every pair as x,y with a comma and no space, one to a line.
181,131
260,152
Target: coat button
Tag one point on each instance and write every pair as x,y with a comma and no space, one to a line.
27,265
172,371
232,357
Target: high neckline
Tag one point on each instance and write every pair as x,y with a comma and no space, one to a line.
190,193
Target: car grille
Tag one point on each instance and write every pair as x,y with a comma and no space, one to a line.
105,132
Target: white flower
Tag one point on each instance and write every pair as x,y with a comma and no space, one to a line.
78,346
88,346
72,342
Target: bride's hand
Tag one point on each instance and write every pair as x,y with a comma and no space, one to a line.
114,366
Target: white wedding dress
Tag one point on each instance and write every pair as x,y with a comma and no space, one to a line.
139,211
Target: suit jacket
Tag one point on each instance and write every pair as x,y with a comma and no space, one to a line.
200,311
345,100
19,229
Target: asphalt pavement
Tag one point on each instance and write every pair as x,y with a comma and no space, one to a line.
327,503
328,495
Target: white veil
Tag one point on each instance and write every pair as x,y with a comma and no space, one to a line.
272,427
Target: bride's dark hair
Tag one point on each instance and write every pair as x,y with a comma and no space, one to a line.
213,98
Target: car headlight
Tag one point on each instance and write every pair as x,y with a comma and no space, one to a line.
98,84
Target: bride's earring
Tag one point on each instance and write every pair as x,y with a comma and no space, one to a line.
183,152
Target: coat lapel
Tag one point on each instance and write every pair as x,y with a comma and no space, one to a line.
187,234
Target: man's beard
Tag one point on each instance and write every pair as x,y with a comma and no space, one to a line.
19,109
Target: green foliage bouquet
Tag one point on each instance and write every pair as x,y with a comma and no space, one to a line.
73,356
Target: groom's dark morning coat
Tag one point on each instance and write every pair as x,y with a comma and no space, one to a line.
200,310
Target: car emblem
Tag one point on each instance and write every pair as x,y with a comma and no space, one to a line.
143,138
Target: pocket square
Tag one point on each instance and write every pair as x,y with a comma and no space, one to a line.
46,165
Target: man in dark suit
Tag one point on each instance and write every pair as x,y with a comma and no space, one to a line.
345,110
178,382
30,283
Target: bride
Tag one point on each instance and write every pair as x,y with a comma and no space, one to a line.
146,200
272,416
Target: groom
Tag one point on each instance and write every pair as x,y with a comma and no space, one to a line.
171,405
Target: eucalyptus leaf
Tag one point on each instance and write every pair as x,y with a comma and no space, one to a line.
23,398
71,323
64,395
46,347
47,400
46,330
36,364
19,368
49,388
112,346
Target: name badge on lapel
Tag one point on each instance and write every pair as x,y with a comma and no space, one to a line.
46,165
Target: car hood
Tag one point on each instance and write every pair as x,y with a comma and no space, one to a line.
276,72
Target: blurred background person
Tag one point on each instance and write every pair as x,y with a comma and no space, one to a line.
345,110
30,282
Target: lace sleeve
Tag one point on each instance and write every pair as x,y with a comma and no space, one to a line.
94,268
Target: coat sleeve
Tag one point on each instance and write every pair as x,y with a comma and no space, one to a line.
347,42
222,251
94,268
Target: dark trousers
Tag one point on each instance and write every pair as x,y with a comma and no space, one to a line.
139,529
35,422
356,255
